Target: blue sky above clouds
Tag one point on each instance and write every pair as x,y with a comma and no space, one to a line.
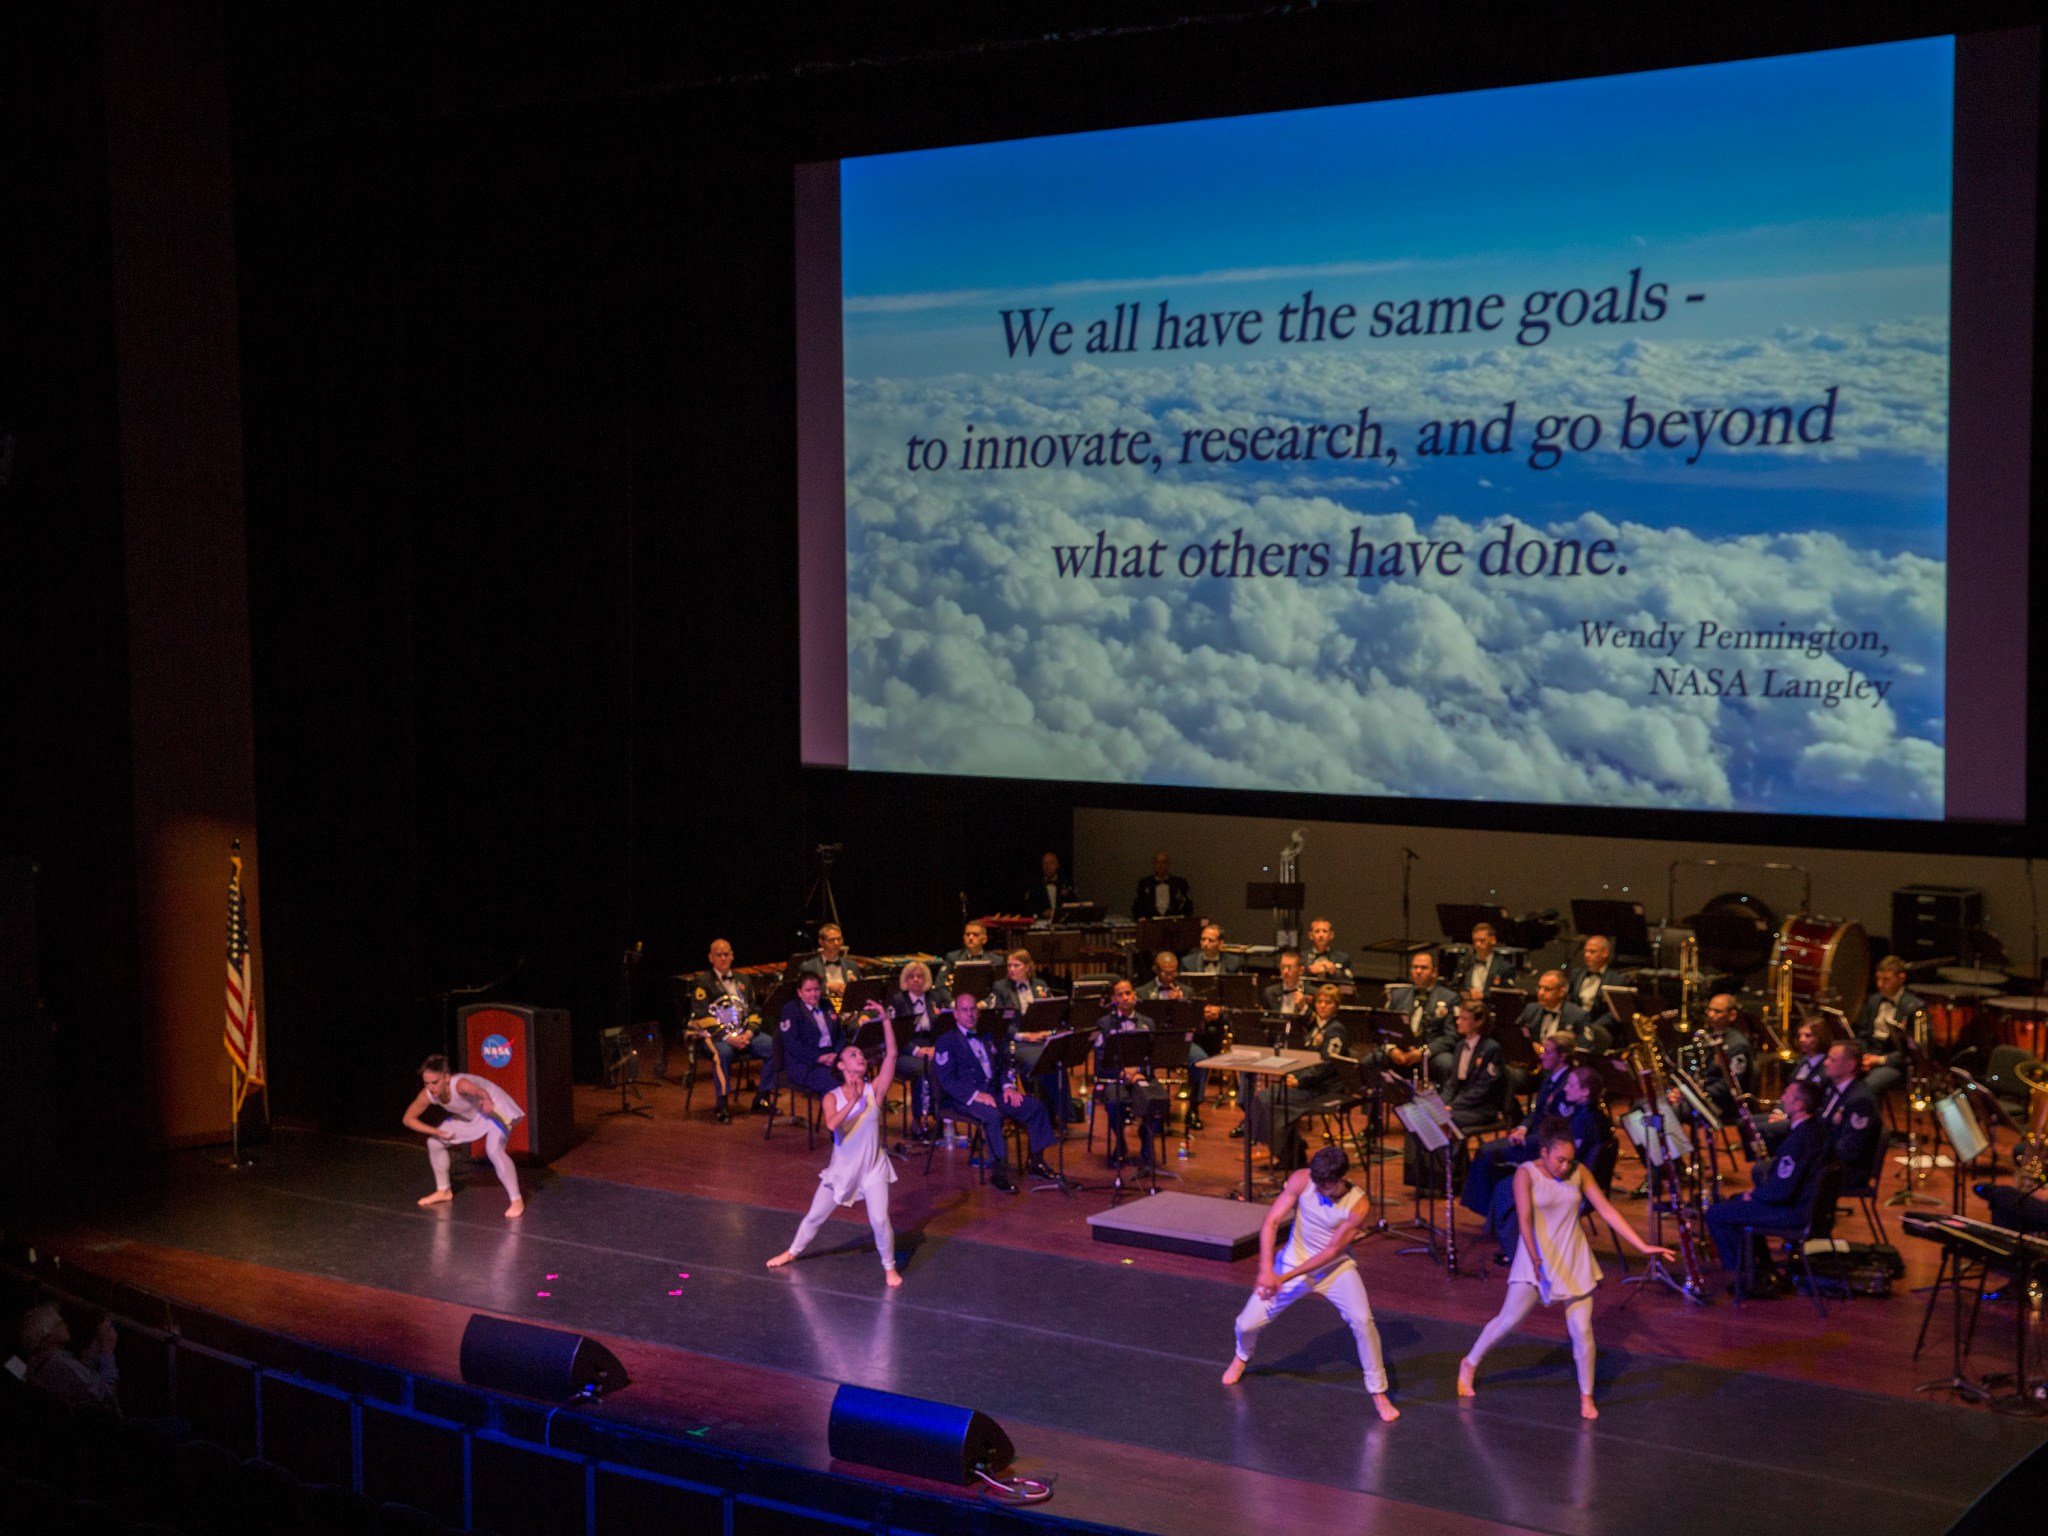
1807,197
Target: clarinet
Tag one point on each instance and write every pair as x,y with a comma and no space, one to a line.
1752,1139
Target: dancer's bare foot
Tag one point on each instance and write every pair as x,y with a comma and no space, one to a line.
438,1197
785,1257
1235,1372
1466,1371
892,1277
1384,1406
516,1208
1586,1408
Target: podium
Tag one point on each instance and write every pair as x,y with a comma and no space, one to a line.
525,1051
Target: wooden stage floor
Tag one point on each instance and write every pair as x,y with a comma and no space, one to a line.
1100,1361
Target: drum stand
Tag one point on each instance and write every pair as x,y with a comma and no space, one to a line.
1917,1090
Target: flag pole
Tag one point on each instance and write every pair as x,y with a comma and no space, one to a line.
235,1160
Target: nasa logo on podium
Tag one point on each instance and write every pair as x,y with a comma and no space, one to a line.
496,1051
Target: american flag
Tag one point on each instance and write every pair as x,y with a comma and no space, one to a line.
240,1034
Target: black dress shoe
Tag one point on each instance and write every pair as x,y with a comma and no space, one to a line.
1237,1131
1194,1120
1503,1259
1039,1169
1000,1181
723,1115
761,1107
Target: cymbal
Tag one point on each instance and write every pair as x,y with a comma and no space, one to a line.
2018,1004
1950,992
1974,976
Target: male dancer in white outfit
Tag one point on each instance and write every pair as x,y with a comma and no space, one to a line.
860,1168
1554,1262
478,1110
1328,1212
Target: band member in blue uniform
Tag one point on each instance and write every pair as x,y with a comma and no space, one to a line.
1162,893
1328,1210
1130,1091
811,1041
1431,1010
1784,1182
1305,1086
973,950
1165,982
1052,891
1724,1026
723,987
832,965
1891,1015
1485,967
1586,1116
1551,1011
1014,994
1848,1108
1322,960
1495,1162
1586,982
1810,1046
1290,993
1474,1091
925,1007
976,1080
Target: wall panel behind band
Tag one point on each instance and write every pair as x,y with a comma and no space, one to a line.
1353,873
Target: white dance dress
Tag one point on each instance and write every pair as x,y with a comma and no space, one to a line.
859,1168
1569,1268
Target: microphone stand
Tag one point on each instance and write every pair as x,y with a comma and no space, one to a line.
1409,859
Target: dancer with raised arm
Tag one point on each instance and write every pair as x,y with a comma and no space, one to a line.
1554,1262
477,1110
860,1168
1328,1211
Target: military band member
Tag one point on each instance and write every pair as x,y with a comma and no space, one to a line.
1495,1162
1210,958
1304,1086
1165,982
973,950
1887,1023
1848,1108
1290,994
926,1008
1430,1008
1327,1210
832,965
1052,891
1323,961
1474,1089
1485,968
1586,982
976,1080
721,984
811,1041
1015,993
1784,1182
1810,1046
1552,1011
1162,893
1129,1091
1724,1028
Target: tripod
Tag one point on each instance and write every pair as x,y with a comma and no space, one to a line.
820,906
623,1060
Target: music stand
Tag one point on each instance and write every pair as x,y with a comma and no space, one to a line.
1506,1005
976,978
1621,922
1122,1051
1239,989
1457,919
1065,1051
1954,1240
1430,1123
861,991
1179,934
1203,986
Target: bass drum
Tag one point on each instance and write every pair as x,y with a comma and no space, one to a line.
1734,932
1828,961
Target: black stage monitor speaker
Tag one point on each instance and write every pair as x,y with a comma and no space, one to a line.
536,1362
915,1436
2012,1503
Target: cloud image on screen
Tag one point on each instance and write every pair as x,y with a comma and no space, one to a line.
1733,625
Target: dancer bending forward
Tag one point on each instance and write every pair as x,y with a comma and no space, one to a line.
477,1110
1328,1212
860,1167
1554,1262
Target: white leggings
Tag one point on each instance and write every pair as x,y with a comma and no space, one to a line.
877,1201
1578,1319
1346,1292
494,1149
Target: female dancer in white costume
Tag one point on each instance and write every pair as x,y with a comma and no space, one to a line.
860,1168
477,1110
1554,1262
